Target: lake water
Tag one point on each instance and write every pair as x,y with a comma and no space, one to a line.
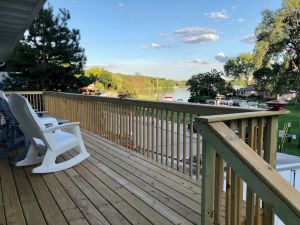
176,92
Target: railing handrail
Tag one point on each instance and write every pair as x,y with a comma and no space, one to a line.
237,116
24,92
195,108
257,173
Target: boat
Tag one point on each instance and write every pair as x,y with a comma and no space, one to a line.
169,98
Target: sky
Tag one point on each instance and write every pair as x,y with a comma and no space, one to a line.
166,38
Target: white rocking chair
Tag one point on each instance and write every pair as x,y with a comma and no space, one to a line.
52,140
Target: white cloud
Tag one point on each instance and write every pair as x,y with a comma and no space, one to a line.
157,46
120,4
201,38
220,15
198,61
249,39
194,35
241,20
221,57
144,46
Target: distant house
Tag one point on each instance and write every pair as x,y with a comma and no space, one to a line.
246,91
288,96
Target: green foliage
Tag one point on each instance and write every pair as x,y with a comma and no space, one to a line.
102,76
264,79
240,67
278,38
48,56
131,84
207,84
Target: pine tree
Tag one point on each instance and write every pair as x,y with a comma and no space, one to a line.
48,56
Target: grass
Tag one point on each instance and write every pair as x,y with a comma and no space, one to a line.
294,119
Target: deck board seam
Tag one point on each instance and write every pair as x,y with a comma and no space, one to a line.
129,181
141,157
27,174
152,187
160,174
84,214
127,191
107,219
14,185
120,195
35,197
83,167
66,194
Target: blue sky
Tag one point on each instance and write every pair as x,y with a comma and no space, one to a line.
166,38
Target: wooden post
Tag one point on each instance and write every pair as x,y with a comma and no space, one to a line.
270,157
208,179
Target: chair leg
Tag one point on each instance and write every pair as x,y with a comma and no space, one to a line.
48,165
32,157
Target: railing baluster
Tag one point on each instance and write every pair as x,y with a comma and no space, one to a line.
140,129
208,178
137,129
178,141
172,139
167,138
157,133
144,131
219,183
270,157
184,143
152,134
198,155
161,136
250,211
191,145
148,132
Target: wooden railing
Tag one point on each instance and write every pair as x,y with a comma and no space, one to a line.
34,97
233,150
242,149
158,130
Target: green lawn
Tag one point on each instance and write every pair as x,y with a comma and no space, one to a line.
294,119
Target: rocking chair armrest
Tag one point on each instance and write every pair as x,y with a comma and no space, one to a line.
65,125
41,113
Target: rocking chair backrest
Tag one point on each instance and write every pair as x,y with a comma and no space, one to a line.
3,96
5,109
25,115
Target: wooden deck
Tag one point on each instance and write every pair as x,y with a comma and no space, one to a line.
113,186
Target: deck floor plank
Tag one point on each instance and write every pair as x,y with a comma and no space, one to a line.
93,216
50,209
140,181
120,204
114,186
153,216
31,208
65,203
12,206
174,175
105,208
2,212
171,185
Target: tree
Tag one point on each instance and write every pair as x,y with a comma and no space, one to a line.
49,55
264,80
240,67
102,76
278,38
206,84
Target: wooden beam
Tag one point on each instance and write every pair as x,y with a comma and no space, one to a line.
258,174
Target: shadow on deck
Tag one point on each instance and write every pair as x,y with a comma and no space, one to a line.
113,186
